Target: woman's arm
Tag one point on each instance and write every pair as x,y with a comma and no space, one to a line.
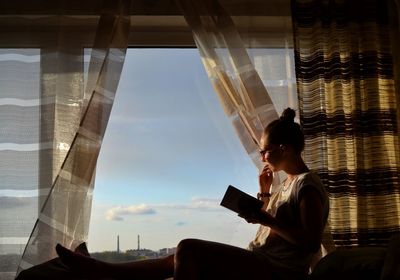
265,181
311,215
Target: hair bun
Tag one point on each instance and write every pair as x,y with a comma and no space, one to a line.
288,115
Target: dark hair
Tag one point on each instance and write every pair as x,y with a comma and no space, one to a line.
284,131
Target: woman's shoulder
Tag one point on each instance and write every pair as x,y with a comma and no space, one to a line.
311,179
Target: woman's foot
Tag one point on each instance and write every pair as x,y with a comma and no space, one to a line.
78,263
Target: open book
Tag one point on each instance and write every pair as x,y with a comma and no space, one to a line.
240,202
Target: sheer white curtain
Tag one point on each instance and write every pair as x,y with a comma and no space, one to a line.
53,120
248,56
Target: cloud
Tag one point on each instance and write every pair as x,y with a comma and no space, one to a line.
205,203
180,224
117,213
197,204
201,204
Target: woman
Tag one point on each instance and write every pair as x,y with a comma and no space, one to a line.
291,226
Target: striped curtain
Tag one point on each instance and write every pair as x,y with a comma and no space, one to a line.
347,101
59,71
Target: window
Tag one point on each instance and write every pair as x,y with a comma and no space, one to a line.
167,157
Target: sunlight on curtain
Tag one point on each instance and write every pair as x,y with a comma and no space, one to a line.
249,63
51,128
394,15
347,97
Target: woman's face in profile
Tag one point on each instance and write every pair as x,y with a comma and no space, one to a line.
271,154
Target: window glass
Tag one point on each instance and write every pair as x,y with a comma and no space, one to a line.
167,157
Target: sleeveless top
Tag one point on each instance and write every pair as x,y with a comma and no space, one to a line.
284,205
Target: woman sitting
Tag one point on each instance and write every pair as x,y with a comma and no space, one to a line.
291,225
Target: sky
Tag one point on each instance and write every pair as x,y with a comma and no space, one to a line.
167,157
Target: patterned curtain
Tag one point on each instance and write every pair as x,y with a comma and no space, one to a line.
348,105
60,69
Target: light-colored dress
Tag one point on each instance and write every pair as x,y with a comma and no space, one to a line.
284,205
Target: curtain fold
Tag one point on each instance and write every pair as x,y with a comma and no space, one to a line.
59,77
230,65
348,108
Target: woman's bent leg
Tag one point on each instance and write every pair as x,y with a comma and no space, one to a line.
199,259
194,259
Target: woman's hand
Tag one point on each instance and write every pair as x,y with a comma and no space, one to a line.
262,217
265,179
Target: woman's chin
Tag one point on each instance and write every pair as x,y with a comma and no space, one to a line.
271,167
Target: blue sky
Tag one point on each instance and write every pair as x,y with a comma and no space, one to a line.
167,157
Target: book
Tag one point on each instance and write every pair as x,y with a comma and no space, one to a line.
240,202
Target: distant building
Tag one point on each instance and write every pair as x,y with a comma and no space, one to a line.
151,254
166,251
143,253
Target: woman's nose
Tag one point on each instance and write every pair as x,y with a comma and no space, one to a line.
263,158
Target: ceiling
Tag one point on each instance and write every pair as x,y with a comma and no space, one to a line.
139,7
154,23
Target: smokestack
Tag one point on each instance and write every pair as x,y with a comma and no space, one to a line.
138,242
118,244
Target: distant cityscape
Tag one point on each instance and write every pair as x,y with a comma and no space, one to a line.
132,254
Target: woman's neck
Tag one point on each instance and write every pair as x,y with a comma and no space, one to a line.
296,167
